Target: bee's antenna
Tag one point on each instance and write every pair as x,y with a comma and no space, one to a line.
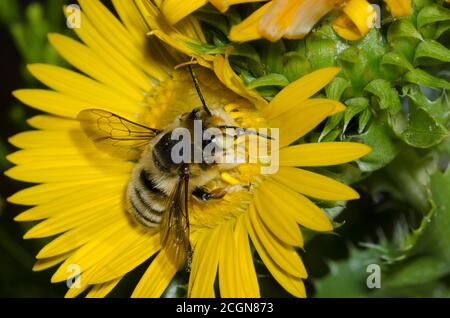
199,92
246,132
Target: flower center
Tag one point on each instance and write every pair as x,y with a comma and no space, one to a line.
176,96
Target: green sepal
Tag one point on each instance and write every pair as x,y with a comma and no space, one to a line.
381,139
430,52
355,106
269,80
386,95
417,128
422,78
430,19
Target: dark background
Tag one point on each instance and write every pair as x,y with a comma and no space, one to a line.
17,255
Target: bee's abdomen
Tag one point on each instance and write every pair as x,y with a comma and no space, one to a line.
145,199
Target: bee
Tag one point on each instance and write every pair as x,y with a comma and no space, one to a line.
159,191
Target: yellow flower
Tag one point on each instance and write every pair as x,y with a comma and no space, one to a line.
79,199
290,19
356,20
399,8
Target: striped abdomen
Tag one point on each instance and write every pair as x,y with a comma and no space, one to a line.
146,201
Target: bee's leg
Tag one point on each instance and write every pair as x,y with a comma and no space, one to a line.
203,195
219,193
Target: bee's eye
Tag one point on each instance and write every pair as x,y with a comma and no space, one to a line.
195,114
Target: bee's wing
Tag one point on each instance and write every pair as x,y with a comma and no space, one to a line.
115,135
175,222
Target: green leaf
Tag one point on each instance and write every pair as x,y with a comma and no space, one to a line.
386,95
432,259
437,235
363,120
403,37
269,80
354,63
395,64
295,66
432,14
403,28
331,124
430,52
320,51
245,50
336,88
416,271
355,106
379,136
417,128
441,29
217,21
331,136
9,11
438,109
270,56
347,278
422,78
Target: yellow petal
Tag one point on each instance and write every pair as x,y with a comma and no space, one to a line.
295,124
281,225
133,254
297,92
278,18
285,256
127,254
48,139
70,170
47,192
114,33
75,216
175,10
300,208
87,61
357,19
102,290
230,276
120,63
156,278
293,285
248,29
92,93
172,36
308,13
205,263
322,154
46,122
53,154
232,81
244,259
106,244
68,196
314,185
46,263
51,102
82,234
399,8
132,19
